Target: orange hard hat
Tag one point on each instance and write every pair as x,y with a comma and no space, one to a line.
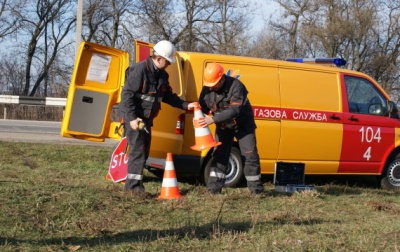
212,74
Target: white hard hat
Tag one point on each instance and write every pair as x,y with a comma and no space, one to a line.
166,50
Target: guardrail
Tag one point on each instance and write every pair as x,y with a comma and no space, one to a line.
29,100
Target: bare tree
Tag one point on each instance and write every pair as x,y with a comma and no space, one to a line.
295,11
108,22
365,32
267,45
9,17
54,15
197,12
195,25
11,76
361,18
158,20
95,13
226,28
384,65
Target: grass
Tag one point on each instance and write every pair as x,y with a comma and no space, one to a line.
56,198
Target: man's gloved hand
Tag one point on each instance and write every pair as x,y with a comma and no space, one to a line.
208,119
203,122
192,105
135,123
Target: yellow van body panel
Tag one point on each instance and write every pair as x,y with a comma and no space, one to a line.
268,137
305,129
306,89
306,141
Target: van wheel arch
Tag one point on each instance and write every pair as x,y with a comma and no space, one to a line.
234,176
390,178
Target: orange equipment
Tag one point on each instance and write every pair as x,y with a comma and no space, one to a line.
204,139
169,189
212,74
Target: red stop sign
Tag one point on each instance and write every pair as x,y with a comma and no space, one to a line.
118,169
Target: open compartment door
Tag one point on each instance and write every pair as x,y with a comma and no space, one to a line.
95,88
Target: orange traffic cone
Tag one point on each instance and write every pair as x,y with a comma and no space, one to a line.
170,189
204,139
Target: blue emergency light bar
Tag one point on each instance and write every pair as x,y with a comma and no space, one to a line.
336,61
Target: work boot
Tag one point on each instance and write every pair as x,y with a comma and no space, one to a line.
255,187
256,192
137,189
214,191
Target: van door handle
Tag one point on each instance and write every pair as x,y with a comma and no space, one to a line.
352,118
334,117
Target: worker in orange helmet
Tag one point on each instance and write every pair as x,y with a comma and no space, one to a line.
224,101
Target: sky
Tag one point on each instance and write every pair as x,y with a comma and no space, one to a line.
268,7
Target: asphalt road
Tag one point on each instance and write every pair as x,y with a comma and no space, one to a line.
40,132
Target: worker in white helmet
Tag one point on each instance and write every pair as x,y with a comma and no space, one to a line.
146,86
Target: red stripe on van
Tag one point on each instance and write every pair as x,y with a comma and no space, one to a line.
263,112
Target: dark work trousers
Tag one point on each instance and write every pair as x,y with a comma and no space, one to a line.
220,158
139,146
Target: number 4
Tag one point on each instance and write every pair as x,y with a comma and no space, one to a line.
367,154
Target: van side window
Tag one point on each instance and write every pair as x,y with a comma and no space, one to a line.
363,97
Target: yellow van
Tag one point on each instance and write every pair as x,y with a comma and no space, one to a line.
335,121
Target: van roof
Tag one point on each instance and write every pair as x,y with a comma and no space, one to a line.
221,58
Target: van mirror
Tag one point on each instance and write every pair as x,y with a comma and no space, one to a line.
376,109
393,110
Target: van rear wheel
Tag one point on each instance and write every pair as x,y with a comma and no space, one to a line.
234,175
390,179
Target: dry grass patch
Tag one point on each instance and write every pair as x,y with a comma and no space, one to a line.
65,203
